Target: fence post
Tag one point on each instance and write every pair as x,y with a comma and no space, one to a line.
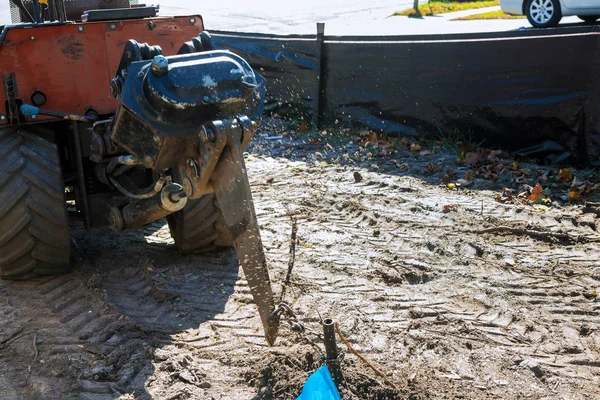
320,91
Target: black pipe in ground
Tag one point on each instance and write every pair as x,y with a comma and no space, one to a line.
332,353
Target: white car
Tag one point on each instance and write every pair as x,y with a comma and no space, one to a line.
548,13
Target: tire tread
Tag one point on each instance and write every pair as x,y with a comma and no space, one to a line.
194,229
33,221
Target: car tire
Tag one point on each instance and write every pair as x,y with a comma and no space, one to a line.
543,13
34,228
588,18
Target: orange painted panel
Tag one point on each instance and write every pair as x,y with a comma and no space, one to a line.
73,64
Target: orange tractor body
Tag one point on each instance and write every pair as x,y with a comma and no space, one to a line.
119,120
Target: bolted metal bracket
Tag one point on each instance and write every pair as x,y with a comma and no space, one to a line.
195,172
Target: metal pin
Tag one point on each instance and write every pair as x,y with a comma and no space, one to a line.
80,28
176,196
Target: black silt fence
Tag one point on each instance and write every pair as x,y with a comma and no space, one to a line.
515,90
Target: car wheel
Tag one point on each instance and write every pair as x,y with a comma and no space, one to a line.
588,18
543,13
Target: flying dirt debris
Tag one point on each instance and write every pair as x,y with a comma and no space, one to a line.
163,138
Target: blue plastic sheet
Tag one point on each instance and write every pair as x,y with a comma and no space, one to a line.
320,386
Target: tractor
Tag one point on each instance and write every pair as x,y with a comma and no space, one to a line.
119,117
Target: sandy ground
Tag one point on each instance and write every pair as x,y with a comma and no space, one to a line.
449,292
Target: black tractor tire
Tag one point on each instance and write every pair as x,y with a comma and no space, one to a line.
590,19
556,14
34,228
198,228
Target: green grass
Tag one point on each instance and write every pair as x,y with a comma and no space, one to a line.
442,7
489,15
455,141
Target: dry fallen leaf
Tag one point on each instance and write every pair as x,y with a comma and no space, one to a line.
525,171
536,192
505,196
578,185
303,127
449,207
451,185
415,147
451,173
473,159
432,168
469,176
574,196
463,183
372,136
564,175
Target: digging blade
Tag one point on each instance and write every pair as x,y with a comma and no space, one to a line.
232,190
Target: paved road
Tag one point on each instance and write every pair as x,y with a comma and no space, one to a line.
4,12
285,17
342,17
270,11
